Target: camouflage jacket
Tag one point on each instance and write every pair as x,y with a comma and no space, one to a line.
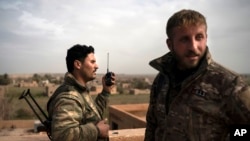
207,103
73,112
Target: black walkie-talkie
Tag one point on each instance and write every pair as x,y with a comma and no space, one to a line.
108,76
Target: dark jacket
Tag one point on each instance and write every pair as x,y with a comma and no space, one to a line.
202,107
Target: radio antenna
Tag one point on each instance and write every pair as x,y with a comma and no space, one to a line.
108,62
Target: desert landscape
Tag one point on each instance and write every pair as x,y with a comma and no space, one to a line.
19,123
17,120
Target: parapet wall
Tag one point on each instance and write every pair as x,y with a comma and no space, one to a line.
127,123
21,134
128,116
127,135
16,123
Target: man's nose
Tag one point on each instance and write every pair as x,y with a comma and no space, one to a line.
193,44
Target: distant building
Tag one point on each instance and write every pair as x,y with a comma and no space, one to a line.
2,91
50,89
28,84
126,85
148,81
139,91
94,90
45,82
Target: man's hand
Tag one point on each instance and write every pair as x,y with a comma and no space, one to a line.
106,88
103,128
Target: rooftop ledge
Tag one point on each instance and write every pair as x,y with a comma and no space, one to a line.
127,134
114,135
127,123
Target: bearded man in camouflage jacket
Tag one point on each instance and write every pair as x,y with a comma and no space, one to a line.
74,115
193,98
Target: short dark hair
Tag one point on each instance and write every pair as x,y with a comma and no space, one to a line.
184,17
77,52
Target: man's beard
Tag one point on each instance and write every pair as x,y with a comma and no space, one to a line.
183,63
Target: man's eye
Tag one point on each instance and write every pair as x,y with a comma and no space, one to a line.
184,39
199,37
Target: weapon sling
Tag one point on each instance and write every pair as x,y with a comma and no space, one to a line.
46,121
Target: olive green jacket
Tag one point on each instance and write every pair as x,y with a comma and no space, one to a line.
207,104
73,112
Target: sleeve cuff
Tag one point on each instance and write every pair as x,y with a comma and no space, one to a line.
105,93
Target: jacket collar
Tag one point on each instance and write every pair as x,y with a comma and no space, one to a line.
165,63
69,79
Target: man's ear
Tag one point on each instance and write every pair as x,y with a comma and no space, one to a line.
169,44
77,64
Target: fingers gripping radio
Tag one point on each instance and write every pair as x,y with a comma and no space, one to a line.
109,74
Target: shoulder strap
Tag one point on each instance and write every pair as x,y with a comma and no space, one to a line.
62,88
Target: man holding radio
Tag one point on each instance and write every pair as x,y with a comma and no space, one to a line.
74,115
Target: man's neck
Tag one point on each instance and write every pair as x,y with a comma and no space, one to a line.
79,79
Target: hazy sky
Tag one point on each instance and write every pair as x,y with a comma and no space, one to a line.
35,34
